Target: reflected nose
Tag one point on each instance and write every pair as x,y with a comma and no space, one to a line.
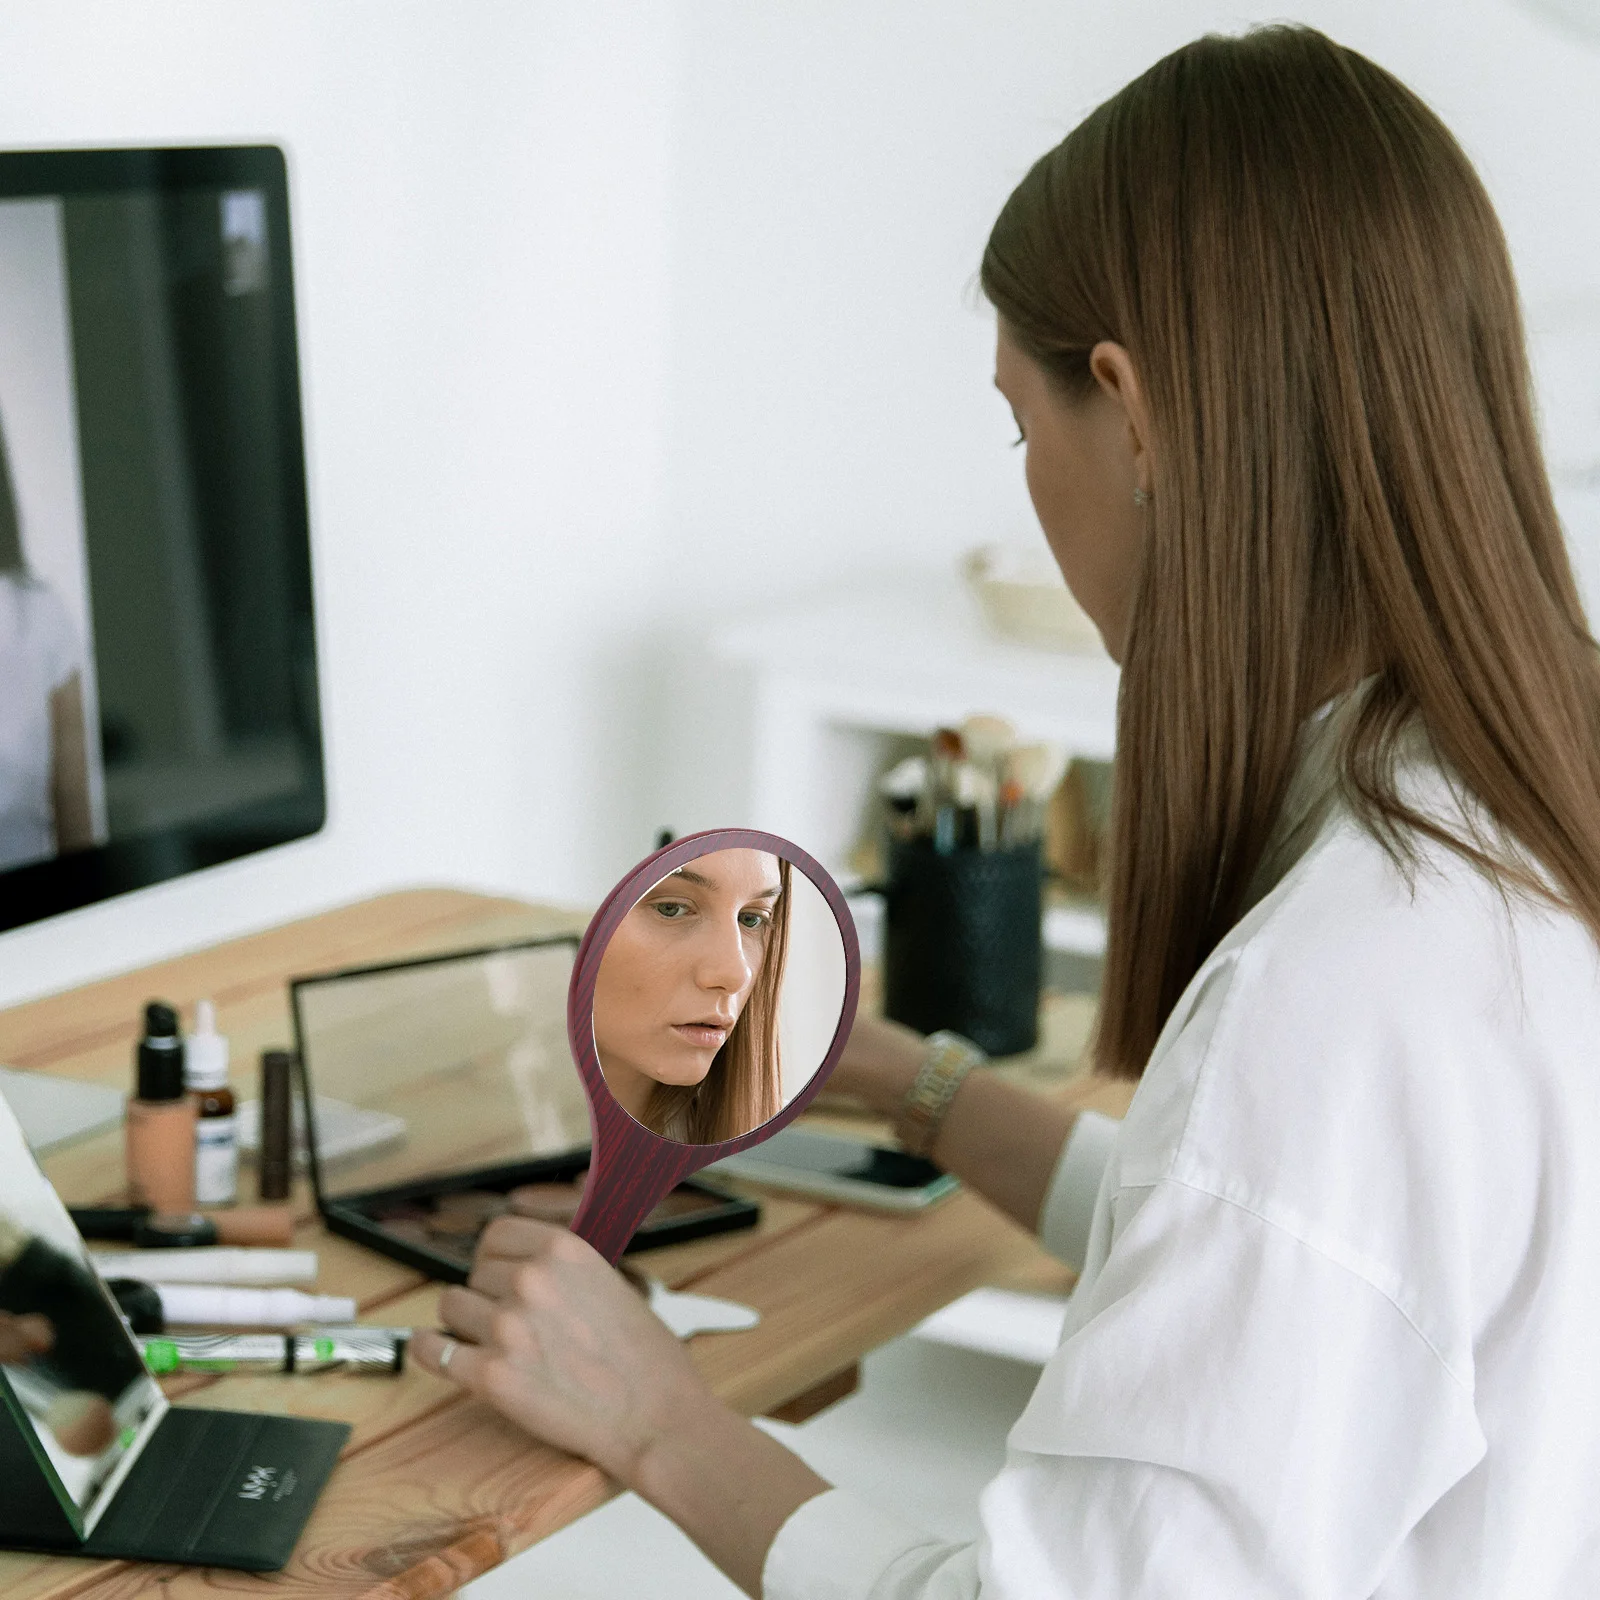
722,962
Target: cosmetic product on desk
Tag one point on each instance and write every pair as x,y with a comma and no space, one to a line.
216,1134
963,900
160,1118
355,1350
158,1230
273,1156
977,788
154,1307
210,1265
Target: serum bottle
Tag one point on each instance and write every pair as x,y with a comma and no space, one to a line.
160,1126
216,1129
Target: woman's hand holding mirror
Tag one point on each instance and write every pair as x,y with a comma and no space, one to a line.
563,1345
713,994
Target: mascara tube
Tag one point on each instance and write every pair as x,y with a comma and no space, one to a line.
272,1156
368,1350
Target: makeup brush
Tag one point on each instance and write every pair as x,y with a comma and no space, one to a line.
1010,801
1038,770
905,780
977,791
987,739
945,751
904,788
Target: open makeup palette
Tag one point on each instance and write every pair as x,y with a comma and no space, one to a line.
453,1087
582,1083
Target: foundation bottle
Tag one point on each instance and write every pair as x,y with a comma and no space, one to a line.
216,1133
160,1125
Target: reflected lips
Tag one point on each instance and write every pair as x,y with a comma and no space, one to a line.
704,1035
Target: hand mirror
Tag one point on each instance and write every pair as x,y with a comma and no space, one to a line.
711,997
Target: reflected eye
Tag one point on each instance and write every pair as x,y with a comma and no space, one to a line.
672,910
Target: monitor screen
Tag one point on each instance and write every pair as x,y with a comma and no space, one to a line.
158,686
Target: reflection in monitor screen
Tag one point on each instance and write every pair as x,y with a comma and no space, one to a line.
155,603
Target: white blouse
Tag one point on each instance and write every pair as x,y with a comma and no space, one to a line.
39,653
1338,1326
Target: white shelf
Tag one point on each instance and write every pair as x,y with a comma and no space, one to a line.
780,721
912,653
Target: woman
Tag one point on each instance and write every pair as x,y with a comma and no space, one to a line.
1340,1293
44,762
686,999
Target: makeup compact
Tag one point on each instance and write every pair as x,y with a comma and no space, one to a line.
463,1059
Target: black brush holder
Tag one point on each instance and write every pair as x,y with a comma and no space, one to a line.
962,943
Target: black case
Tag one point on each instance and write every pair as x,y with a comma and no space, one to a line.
209,1488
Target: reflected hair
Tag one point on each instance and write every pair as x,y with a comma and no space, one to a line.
744,1087
1310,280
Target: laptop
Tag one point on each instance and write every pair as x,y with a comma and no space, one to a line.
94,1461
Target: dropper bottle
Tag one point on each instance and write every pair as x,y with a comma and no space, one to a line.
160,1125
216,1134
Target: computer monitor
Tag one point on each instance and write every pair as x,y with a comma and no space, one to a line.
158,683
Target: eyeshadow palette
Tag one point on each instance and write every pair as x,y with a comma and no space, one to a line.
437,1230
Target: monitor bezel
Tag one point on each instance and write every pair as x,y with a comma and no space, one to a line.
38,890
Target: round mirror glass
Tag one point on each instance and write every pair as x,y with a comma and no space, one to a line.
718,995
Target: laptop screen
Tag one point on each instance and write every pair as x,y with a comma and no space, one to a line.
70,1370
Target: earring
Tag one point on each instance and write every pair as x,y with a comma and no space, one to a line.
1142,497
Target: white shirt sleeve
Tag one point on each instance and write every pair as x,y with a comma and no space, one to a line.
837,1547
1231,1412
1074,1187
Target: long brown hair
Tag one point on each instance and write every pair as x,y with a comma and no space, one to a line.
744,1087
1311,282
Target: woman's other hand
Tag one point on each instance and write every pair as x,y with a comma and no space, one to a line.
997,1137
559,1342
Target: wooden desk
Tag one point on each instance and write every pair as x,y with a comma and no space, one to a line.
434,1488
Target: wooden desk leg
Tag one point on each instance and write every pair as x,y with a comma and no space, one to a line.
819,1396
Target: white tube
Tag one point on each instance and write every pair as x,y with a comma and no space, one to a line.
210,1264
196,1304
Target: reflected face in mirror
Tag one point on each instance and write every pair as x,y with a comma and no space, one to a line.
686,998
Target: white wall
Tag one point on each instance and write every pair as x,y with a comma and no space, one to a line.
479,201
840,167
619,318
